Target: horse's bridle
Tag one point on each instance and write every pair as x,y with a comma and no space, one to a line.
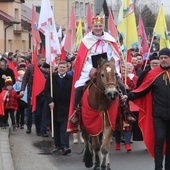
106,84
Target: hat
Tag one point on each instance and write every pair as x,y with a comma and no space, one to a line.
97,20
45,65
164,51
154,56
22,64
8,81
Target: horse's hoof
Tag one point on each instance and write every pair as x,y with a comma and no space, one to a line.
88,160
96,168
88,164
108,167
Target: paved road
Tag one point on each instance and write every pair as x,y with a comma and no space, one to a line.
30,152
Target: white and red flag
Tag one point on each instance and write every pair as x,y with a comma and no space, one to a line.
47,26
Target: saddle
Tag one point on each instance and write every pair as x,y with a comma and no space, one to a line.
76,117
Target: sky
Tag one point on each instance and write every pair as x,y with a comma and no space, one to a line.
166,5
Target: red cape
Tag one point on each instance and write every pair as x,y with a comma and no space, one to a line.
80,60
93,120
145,110
2,95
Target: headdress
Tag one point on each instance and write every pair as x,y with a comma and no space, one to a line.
8,81
97,20
164,51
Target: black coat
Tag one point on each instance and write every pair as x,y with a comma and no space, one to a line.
61,96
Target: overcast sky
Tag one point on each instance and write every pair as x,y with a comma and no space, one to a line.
166,5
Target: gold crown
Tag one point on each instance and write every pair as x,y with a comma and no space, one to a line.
97,20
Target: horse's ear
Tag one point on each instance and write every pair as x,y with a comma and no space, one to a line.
112,60
100,61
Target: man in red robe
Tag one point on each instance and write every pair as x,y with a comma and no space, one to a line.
95,42
153,99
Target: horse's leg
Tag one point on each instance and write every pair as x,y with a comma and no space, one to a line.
96,148
88,153
107,135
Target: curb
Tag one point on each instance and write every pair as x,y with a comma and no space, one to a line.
6,161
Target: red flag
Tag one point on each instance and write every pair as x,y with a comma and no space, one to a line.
63,54
88,19
34,28
129,56
142,35
43,51
2,97
34,57
111,26
71,33
38,85
12,65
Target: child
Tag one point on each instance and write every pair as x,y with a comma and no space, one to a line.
10,101
22,103
123,127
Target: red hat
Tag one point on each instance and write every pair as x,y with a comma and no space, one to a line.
8,81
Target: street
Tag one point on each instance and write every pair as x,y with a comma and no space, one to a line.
30,152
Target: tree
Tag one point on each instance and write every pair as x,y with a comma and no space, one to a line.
149,19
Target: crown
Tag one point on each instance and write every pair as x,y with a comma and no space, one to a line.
97,20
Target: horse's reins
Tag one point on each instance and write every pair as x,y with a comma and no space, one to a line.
102,91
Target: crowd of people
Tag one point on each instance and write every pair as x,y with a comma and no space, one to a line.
141,81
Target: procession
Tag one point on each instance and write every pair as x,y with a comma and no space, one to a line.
86,91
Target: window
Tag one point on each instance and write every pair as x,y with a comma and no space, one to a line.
38,8
82,9
23,45
9,45
77,12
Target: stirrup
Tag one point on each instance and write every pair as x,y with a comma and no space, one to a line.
75,118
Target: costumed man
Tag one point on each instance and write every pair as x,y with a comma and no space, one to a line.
153,99
95,42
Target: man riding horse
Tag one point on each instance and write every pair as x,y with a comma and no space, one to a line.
95,42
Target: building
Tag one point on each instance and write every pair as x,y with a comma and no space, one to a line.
13,34
15,19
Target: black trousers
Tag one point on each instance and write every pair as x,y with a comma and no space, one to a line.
77,96
162,134
29,110
61,137
5,118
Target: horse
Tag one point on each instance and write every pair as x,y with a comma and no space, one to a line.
100,95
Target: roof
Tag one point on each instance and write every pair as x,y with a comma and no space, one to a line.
26,13
8,18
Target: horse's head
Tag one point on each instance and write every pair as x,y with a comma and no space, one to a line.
108,79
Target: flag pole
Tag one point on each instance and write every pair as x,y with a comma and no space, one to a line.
148,52
51,81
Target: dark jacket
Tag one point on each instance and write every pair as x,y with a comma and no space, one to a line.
160,97
61,96
141,77
28,78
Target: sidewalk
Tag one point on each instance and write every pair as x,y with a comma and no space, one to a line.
6,162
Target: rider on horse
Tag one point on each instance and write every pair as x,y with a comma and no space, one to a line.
95,42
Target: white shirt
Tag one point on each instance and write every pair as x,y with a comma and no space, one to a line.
103,47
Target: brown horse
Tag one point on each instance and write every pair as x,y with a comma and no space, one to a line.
101,95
